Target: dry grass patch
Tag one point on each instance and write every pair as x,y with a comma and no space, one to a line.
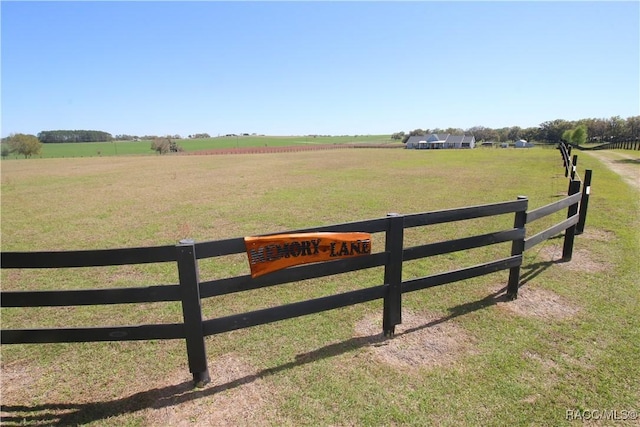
16,377
598,235
236,396
541,304
420,341
581,260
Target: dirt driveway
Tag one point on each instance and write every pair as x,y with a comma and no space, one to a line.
624,164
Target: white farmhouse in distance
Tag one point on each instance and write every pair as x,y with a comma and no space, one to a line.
441,141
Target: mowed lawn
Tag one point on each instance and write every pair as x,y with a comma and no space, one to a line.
463,356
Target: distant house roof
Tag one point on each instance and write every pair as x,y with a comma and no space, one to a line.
460,139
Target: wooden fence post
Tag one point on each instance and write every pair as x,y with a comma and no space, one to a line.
394,242
517,248
567,160
569,235
564,152
192,312
574,163
584,201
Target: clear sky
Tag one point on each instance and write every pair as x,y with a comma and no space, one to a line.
296,68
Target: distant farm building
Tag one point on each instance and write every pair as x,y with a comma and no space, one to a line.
521,143
441,141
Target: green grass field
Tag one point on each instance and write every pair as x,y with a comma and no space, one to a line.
463,357
129,148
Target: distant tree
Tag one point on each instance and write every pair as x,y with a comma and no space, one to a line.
616,129
567,135
397,135
596,128
552,131
531,134
503,134
161,145
414,132
200,136
165,145
633,128
482,133
514,133
577,135
5,151
27,145
479,132
454,131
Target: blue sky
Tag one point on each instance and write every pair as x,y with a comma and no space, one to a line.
296,68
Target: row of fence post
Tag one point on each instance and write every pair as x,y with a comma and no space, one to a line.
574,187
571,172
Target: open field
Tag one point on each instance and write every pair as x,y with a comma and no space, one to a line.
464,356
129,148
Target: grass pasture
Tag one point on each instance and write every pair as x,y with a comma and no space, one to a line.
463,357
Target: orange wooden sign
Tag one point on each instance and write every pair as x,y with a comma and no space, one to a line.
271,253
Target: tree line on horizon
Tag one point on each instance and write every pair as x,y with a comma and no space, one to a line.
61,136
66,136
613,129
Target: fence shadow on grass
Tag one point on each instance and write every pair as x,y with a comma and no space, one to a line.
532,271
83,413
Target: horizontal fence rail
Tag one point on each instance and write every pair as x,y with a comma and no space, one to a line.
90,296
97,258
191,290
115,333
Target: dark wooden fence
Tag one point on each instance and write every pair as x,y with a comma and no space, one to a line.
190,290
575,182
627,145
624,145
